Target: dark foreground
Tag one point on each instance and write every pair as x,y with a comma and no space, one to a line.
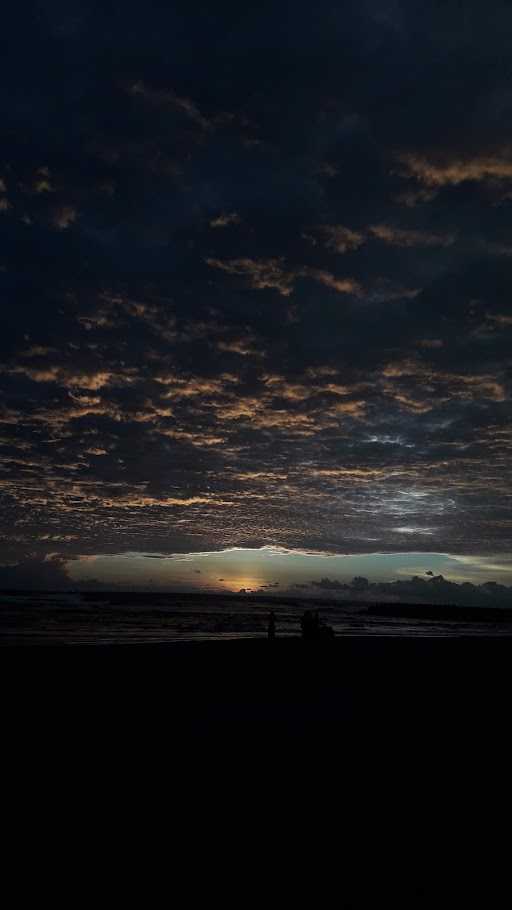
391,753
253,690
369,700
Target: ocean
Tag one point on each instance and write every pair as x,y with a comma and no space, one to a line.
42,618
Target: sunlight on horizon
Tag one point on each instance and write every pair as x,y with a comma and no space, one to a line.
261,569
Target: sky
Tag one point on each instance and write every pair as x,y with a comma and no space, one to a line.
256,275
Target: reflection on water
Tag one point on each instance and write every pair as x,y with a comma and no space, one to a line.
104,619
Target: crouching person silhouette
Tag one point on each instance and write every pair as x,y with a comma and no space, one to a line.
313,628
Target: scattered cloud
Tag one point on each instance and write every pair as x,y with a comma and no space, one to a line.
438,170
225,219
274,274
168,99
246,347
401,237
434,382
70,378
262,274
335,237
360,399
65,216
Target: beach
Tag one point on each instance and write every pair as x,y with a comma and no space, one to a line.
373,756
258,689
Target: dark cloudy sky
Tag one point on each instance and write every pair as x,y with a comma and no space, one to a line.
256,271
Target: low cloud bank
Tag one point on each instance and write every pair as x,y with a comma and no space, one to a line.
433,589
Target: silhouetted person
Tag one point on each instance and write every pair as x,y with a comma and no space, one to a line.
271,628
313,629
307,625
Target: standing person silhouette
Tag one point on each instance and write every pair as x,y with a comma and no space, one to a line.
271,628
307,625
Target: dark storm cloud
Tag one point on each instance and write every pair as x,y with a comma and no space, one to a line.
256,276
34,574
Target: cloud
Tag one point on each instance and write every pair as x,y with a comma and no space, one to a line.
335,237
420,387
263,476
341,239
41,182
200,439
341,285
431,343
142,501
301,375
187,387
38,350
413,197
168,98
418,590
68,377
35,574
65,216
328,584
273,274
501,319
359,474
452,169
401,237
275,406
262,274
308,387
115,310
326,169
245,346
225,219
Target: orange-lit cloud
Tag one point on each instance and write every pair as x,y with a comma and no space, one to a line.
420,387
437,171
274,274
246,347
401,237
70,378
261,273
335,237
